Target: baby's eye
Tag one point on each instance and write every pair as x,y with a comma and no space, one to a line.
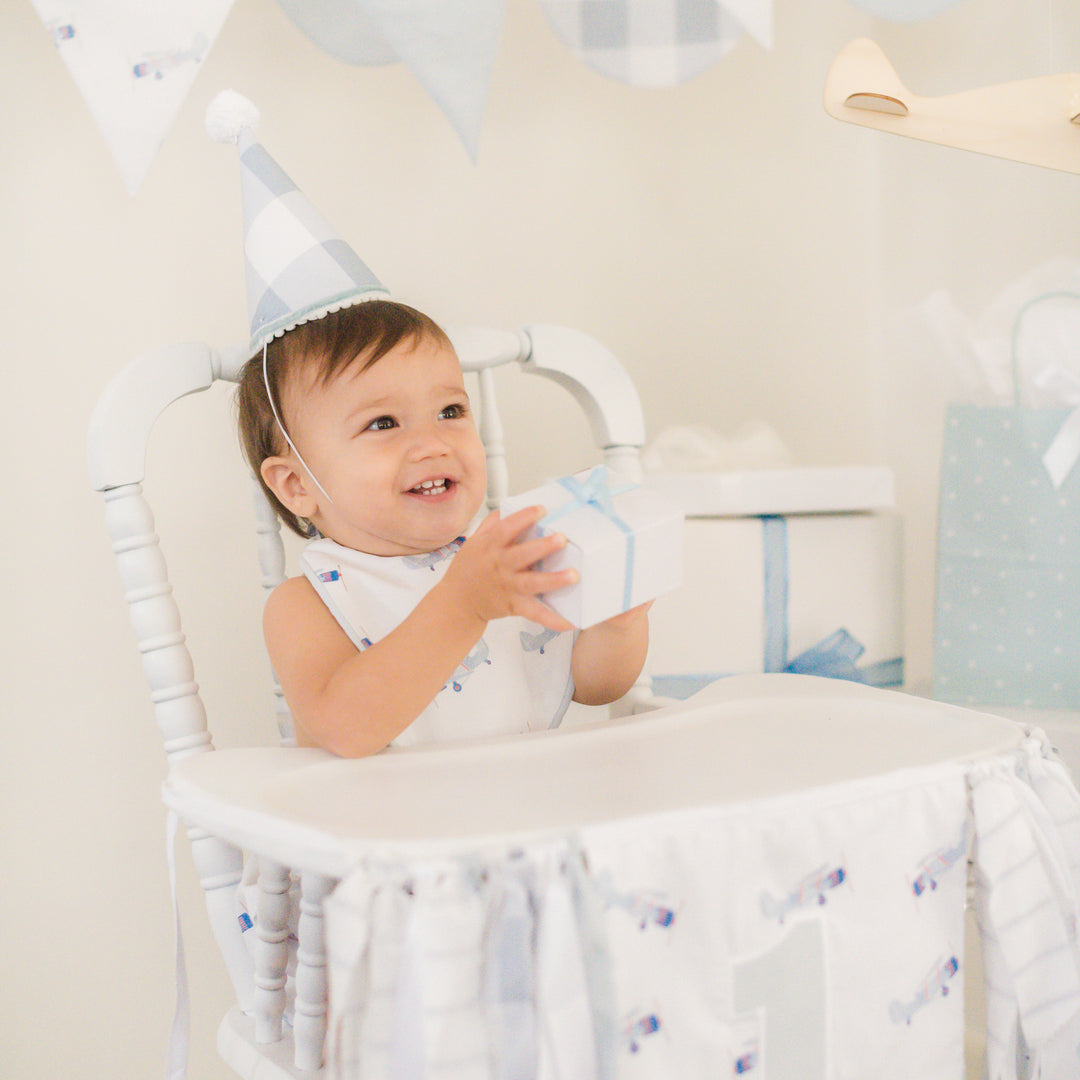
453,412
383,423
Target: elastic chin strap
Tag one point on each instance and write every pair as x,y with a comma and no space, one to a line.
281,427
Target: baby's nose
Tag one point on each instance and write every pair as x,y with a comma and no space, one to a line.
429,442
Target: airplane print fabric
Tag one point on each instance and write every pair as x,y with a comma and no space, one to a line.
133,62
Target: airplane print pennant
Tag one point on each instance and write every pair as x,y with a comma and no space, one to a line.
134,62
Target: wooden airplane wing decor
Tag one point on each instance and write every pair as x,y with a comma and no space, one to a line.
1035,121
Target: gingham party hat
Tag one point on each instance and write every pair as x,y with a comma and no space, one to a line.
298,268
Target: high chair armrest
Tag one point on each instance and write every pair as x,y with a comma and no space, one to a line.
479,347
124,414
590,372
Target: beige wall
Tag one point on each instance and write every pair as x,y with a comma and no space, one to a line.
743,254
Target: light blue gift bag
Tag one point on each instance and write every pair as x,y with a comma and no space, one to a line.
1007,616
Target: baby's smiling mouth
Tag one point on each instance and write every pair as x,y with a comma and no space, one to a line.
431,487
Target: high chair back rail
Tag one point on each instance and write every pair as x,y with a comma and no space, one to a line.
119,430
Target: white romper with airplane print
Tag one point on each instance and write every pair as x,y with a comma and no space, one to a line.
517,678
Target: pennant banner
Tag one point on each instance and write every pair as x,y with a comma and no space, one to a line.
905,10
656,43
756,17
133,61
341,29
449,45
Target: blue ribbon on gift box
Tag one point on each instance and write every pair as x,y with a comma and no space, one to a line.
595,491
834,657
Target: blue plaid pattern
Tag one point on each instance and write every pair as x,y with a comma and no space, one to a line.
645,42
297,266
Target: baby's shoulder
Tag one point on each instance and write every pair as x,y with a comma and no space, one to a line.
291,597
295,613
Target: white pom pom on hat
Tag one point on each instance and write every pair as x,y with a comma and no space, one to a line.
298,268
229,116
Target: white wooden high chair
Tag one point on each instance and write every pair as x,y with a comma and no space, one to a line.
789,831
253,1039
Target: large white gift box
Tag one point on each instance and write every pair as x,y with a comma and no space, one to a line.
786,570
625,541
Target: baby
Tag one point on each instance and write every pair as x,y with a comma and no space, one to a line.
411,623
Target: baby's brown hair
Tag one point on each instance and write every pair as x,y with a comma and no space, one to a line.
325,347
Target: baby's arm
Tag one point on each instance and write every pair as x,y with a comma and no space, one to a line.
355,703
609,656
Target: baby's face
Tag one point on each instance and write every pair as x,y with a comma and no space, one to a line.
396,448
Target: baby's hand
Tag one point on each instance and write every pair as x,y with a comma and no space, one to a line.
493,572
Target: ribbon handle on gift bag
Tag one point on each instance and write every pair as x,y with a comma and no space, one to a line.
1064,451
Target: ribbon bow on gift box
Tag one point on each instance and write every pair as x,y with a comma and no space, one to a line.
597,492
833,657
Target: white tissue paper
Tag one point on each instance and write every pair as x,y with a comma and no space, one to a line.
750,473
700,448
972,359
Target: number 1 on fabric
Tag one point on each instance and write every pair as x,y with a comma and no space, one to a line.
787,983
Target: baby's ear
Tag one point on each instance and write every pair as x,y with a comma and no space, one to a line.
290,484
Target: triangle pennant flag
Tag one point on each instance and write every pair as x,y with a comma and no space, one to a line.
134,62
651,43
905,11
342,30
756,17
449,45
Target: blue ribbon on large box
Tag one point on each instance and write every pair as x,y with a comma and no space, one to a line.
835,656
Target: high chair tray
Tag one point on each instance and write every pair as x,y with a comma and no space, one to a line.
742,739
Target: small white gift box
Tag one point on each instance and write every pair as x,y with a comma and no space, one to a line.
787,570
624,540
